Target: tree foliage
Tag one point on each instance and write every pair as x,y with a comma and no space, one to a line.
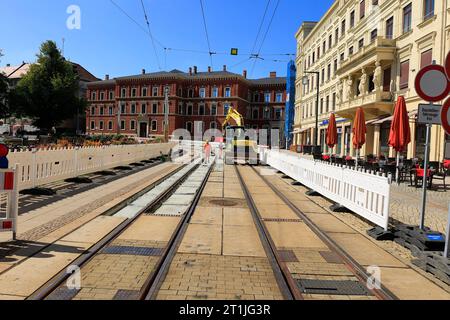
48,93
4,106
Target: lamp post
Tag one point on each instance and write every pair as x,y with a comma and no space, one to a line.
305,81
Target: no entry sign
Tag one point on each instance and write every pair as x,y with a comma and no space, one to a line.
445,116
432,83
447,66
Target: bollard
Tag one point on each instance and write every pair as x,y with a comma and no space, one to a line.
447,238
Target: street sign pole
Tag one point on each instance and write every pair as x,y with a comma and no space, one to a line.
166,114
425,177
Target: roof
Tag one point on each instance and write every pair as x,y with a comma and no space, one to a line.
84,75
276,80
15,72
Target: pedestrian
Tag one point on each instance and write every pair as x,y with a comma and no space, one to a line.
207,152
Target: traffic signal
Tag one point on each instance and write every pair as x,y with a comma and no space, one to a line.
4,163
234,51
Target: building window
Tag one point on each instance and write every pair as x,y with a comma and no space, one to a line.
279,97
313,57
323,75
100,125
226,107
133,92
110,125
154,125
111,111
373,35
102,111
267,97
102,96
374,2
122,125
361,43
255,114
133,108
324,47
321,105
201,110
92,111
190,93
213,125
390,28
202,93
428,9
111,95
343,28
144,91
278,113
333,105
327,104
190,110
155,108
123,92
362,9
94,96
92,125
426,58
350,51
335,65
404,75
189,126
336,35
143,108
132,125
352,19
407,17
329,72
214,109
266,113
180,108
155,91
123,108
215,92
330,41
227,92
342,56
318,53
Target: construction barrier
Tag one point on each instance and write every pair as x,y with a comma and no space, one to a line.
39,167
9,204
364,193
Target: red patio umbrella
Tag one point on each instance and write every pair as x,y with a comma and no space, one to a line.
400,135
332,132
359,131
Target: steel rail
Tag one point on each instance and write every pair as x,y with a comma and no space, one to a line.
361,274
51,285
286,283
155,281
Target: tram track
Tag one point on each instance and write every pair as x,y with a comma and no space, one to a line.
50,289
286,278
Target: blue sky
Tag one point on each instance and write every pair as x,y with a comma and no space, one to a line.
110,43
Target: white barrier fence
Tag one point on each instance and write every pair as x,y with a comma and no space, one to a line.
39,167
363,193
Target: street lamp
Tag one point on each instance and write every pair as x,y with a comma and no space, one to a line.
305,81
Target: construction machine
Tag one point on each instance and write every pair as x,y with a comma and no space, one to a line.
240,148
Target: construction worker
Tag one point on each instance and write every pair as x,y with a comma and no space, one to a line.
207,152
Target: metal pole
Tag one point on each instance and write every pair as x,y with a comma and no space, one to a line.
316,137
425,176
166,114
447,238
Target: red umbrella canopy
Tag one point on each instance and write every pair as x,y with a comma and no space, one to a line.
332,131
400,135
359,129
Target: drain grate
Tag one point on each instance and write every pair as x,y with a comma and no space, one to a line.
283,220
134,251
123,295
332,287
287,256
331,257
63,294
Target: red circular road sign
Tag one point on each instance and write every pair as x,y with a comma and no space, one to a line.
447,65
3,150
432,84
445,116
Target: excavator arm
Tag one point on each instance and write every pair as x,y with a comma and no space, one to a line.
236,116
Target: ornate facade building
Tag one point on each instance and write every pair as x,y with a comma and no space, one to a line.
134,105
367,53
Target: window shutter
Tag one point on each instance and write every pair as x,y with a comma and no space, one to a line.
426,58
404,74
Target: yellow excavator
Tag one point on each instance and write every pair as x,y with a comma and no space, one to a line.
240,148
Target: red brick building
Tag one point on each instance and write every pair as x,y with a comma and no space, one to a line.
134,105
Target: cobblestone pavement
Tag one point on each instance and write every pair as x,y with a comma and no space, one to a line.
406,203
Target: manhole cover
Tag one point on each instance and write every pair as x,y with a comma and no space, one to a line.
223,203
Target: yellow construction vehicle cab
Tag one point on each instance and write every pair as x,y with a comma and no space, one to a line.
240,148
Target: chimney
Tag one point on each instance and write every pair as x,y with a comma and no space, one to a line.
8,65
209,69
245,74
273,74
143,71
195,69
190,71
224,67
107,77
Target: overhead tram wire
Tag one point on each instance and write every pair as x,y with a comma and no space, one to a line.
150,33
252,55
265,35
207,34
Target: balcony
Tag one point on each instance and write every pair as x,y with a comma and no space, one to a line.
375,104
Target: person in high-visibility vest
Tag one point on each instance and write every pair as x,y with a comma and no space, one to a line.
207,152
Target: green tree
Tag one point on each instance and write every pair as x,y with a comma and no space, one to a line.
4,106
49,92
